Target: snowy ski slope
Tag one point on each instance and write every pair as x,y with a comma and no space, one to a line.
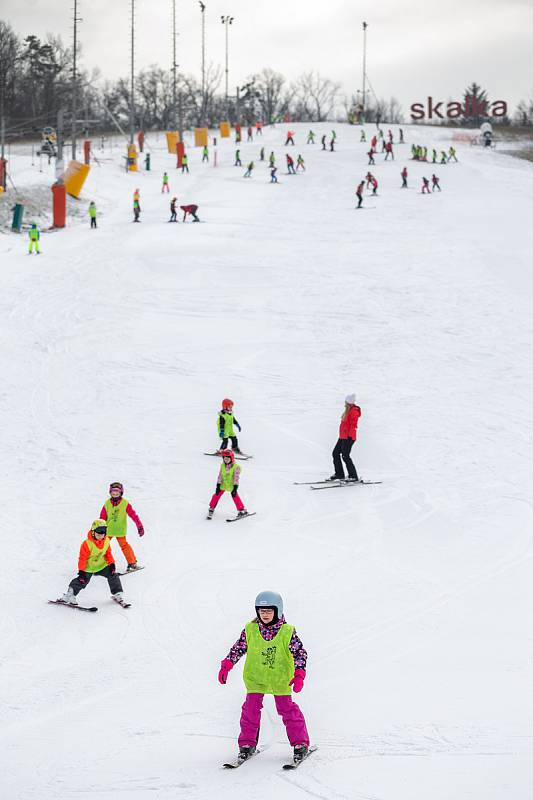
413,598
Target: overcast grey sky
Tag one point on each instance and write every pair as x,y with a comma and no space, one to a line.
415,48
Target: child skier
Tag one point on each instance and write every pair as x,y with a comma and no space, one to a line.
290,138
262,154
34,237
185,163
165,187
271,160
363,137
238,162
425,186
403,173
451,154
190,209
115,512
225,424
92,213
346,440
228,481
173,213
310,137
205,154
359,193
136,211
300,164
250,134
389,151
370,155
249,170
435,183
290,165
275,661
323,142
273,177
95,558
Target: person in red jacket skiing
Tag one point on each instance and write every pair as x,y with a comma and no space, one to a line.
346,440
403,173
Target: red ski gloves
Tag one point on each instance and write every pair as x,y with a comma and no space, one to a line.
297,682
225,668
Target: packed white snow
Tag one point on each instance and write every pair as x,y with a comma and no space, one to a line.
413,598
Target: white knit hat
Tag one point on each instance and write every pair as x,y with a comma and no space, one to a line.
350,398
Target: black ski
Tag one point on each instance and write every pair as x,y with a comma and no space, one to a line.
71,605
129,571
295,764
340,484
310,483
239,456
243,516
239,761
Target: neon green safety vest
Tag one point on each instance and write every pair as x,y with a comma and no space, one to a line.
34,234
228,477
269,665
228,424
117,520
96,560
92,210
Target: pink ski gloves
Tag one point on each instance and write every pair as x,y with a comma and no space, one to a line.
297,682
225,668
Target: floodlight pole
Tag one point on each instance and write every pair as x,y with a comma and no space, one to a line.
365,26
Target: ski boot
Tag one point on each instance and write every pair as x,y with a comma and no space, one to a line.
335,478
300,752
132,567
210,513
245,753
242,513
69,597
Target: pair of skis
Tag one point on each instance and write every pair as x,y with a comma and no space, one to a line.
87,608
294,764
238,456
334,484
238,517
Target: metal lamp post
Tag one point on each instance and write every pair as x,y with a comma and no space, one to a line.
227,20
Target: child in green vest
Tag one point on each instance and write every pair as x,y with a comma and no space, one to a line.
226,421
275,661
95,558
92,213
165,186
116,511
228,481
34,237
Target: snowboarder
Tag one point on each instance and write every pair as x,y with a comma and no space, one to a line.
249,170
435,183
228,481
346,440
311,137
276,663
205,154
225,423
300,163
34,236
403,173
92,213
359,192
115,511
173,213
238,162
190,209
273,178
323,141
165,187
95,558
185,163
290,165
425,186
370,155
290,138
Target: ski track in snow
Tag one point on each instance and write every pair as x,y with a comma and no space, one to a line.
412,597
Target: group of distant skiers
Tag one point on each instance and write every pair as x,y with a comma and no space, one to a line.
419,153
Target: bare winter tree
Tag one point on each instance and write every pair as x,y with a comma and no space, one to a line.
273,98
524,112
316,96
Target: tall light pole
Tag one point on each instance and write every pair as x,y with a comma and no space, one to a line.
178,112
202,9
365,26
226,20
132,77
75,21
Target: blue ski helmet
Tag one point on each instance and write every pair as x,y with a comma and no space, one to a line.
270,600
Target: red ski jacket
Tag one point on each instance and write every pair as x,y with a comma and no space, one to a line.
348,426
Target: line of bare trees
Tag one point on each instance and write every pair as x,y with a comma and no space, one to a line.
35,82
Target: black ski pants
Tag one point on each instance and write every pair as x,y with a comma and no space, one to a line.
113,580
342,450
234,443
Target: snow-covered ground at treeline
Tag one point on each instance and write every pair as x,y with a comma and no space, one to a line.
414,598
